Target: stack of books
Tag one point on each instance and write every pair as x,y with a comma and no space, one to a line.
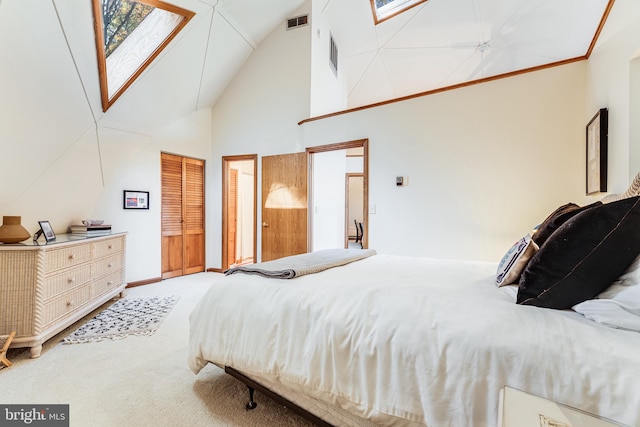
89,230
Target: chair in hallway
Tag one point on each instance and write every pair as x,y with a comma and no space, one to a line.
359,232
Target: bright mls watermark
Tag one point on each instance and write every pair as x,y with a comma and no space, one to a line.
34,415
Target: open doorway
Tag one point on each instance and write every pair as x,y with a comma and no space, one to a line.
239,188
334,215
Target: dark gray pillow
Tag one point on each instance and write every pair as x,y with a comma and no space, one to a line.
556,218
583,257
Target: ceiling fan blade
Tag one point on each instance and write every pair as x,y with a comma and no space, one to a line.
463,45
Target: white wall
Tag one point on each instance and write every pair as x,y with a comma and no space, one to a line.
485,163
328,90
258,114
88,180
132,162
328,203
609,83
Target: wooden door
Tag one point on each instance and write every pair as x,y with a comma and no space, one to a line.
284,205
235,227
182,215
232,217
172,241
193,205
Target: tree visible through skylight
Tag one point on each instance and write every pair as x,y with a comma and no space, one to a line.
120,18
380,3
130,34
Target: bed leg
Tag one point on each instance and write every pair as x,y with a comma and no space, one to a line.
252,404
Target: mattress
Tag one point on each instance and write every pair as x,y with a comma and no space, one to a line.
413,340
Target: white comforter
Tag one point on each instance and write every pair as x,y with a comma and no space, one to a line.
421,339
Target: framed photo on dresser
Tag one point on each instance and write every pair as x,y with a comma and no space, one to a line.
47,231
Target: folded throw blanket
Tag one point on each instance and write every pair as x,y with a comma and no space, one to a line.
299,265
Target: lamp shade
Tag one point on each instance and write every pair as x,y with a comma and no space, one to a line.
11,231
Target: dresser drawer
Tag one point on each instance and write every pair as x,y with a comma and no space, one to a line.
67,256
67,280
108,247
106,283
65,304
107,265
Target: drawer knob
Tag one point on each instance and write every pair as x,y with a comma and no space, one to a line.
110,247
69,303
110,265
109,283
71,280
71,256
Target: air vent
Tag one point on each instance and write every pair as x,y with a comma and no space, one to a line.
298,21
333,55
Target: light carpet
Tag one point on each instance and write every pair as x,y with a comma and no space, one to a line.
141,380
127,316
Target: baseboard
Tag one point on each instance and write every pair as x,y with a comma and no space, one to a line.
159,279
144,282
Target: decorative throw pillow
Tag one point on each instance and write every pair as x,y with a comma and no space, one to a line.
556,219
583,257
515,260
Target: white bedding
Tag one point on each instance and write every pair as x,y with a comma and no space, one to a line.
426,340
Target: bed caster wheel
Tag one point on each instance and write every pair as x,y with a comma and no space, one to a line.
252,404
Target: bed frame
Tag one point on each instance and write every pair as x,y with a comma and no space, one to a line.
286,403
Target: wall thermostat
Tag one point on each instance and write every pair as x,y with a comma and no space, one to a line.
402,181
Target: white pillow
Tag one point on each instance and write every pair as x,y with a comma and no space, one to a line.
617,306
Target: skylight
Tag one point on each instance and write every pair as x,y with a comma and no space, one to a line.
129,36
385,9
120,19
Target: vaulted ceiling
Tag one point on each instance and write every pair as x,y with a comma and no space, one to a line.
442,43
49,60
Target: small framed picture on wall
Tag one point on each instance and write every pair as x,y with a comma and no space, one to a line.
135,199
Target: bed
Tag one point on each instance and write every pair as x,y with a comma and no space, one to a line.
414,341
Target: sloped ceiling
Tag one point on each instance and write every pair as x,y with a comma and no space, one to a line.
49,84
49,55
442,43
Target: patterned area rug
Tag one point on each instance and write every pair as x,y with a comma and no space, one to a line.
128,316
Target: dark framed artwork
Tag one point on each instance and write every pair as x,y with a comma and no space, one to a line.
135,199
597,133
47,231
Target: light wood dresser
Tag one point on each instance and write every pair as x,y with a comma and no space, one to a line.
44,288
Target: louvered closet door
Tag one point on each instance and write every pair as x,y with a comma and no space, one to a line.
193,215
182,215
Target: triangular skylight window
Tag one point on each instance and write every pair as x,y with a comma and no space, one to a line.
129,36
385,9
